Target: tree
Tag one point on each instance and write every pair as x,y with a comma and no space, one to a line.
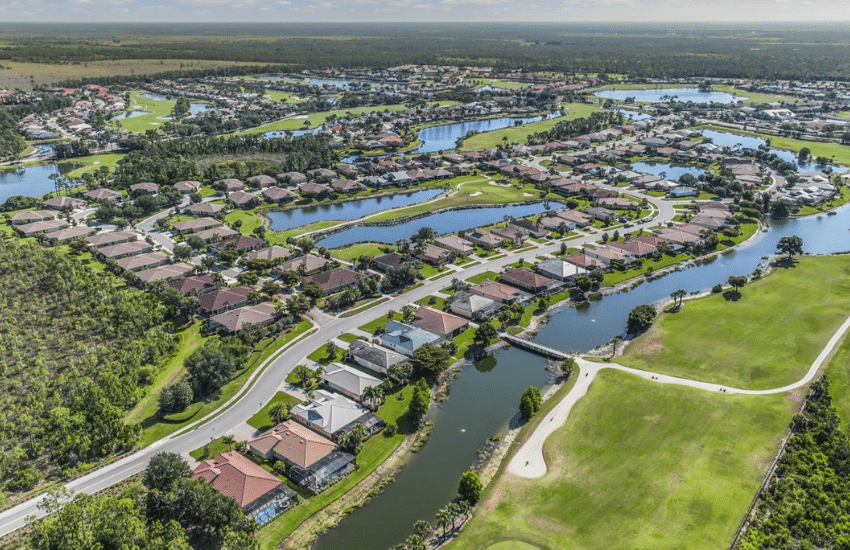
484,334
431,358
290,279
790,245
248,278
209,369
164,469
373,394
313,291
420,400
470,487
737,281
176,397
400,372
444,519
678,296
567,367
278,412
332,350
352,441
584,283
530,402
803,155
414,542
422,528
640,318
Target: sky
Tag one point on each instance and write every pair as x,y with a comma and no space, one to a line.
551,11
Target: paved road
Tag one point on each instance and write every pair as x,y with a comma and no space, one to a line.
529,462
273,378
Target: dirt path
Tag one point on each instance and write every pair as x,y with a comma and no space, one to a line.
529,462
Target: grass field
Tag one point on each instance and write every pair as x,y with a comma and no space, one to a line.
261,420
519,134
317,119
754,97
27,75
768,338
94,162
638,465
150,121
351,253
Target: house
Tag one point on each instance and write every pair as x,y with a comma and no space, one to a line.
164,272
231,322
406,339
46,227
103,195
530,281
65,203
510,234
318,190
636,248
71,233
260,494
678,237
485,240
559,269
310,262
582,260
292,444
334,280
682,191
144,261
332,414
348,381
270,253
242,199
321,173
618,203
601,214
295,178
194,226
216,233
229,185
455,244
261,181
111,237
435,255
221,300
346,186
204,209
502,293
473,306
144,187
32,216
533,229
187,187
607,255
443,324
579,219
278,194
386,261
373,356
239,244
122,250
198,284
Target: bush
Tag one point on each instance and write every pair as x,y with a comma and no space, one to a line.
717,289
470,487
640,318
176,397
391,429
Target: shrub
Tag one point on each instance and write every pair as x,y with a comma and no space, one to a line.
717,289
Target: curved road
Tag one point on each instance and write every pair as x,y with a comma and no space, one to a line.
529,462
272,379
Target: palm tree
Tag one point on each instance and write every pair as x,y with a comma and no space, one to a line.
444,519
374,395
278,412
230,441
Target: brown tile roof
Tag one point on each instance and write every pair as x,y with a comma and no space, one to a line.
581,259
235,475
239,244
193,284
333,279
137,263
204,209
270,253
311,263
224,298
438,322
163,272
297,444
525,277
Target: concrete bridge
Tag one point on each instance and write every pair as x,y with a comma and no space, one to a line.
534,347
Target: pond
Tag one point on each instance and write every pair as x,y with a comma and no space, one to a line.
128,114
672,171
444,222
33,181
444,136
682,95
349,210
155,97
727,139
633,115
482,401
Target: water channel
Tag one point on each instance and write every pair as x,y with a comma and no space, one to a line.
444,222
671,171
33,181
727,139
482,400
444,137
349,210
682,94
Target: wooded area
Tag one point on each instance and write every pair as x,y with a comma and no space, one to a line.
75,348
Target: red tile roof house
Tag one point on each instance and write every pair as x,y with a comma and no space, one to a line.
219,301
241,244
292,444
530,281
439,322
582,260
334,280
258,492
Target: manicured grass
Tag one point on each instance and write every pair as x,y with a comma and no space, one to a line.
638,465
320,355
94,162
211,449
842,198
754,97
250,220
351,253
317,119
262,420
481,277
156,428
767,338
151,121
519,134
190,340
429,271
463,341
369,305
375,451
372,325
437,304
615,277
279,237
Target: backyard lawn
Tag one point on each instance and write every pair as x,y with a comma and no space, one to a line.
638,465
766,338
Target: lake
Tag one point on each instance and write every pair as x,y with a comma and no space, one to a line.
444,222
33,181
672,171
727,139
682,94
349,210
444,136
